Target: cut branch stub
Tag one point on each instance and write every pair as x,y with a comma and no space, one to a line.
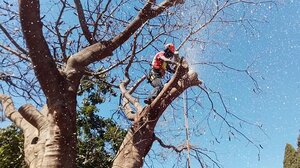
33,116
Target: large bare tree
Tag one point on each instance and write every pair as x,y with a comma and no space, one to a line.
66,40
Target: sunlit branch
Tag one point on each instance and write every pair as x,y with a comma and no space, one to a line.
126,94
11,112
33,116
135,86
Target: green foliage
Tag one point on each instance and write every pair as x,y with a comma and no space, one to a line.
96,87
99,139
11,148
291,156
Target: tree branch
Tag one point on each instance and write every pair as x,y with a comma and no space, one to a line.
33,116
57,24
126,94
16,53
176,149
11,39
83,22
102,50
182,79
11,112
43,63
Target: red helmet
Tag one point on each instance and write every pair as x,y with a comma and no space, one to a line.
170,47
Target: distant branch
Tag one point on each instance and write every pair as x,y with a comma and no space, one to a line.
16,53
230,126
221,64
83,22
176,149
7,34
101,50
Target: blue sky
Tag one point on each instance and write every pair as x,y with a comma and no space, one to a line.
277,107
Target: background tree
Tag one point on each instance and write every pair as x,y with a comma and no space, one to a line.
11,147
108,38
292,156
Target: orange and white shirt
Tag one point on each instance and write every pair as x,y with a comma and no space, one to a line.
158,63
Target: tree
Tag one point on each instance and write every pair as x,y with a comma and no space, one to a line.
93,131
99,139
11,147
59,52
292,156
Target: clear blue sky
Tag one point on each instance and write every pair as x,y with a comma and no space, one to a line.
277,107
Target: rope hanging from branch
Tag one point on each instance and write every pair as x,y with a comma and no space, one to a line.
187,133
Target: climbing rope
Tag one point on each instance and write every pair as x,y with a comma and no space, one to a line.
187,133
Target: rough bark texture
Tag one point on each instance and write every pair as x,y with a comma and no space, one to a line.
140,137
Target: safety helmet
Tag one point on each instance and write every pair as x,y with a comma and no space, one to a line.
170,47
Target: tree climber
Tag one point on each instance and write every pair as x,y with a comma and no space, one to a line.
161,62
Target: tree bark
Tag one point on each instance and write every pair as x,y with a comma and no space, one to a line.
50,137
47,143
140,137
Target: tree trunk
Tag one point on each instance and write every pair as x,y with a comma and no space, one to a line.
49,142
140,137
61,141
135,146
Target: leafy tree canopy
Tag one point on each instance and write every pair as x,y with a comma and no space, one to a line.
291,156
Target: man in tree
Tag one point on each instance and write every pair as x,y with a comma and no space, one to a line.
160,63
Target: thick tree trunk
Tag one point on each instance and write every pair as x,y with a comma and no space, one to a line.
135,146
60,145
50,135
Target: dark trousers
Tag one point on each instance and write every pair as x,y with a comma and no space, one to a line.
157,87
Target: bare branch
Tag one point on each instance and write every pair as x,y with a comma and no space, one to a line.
130,114
193,32
39,52
102,50
231,127
57,24
83,22
12,40
16,53
12,113
176,149
246,71
100,16
132,89
126,94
